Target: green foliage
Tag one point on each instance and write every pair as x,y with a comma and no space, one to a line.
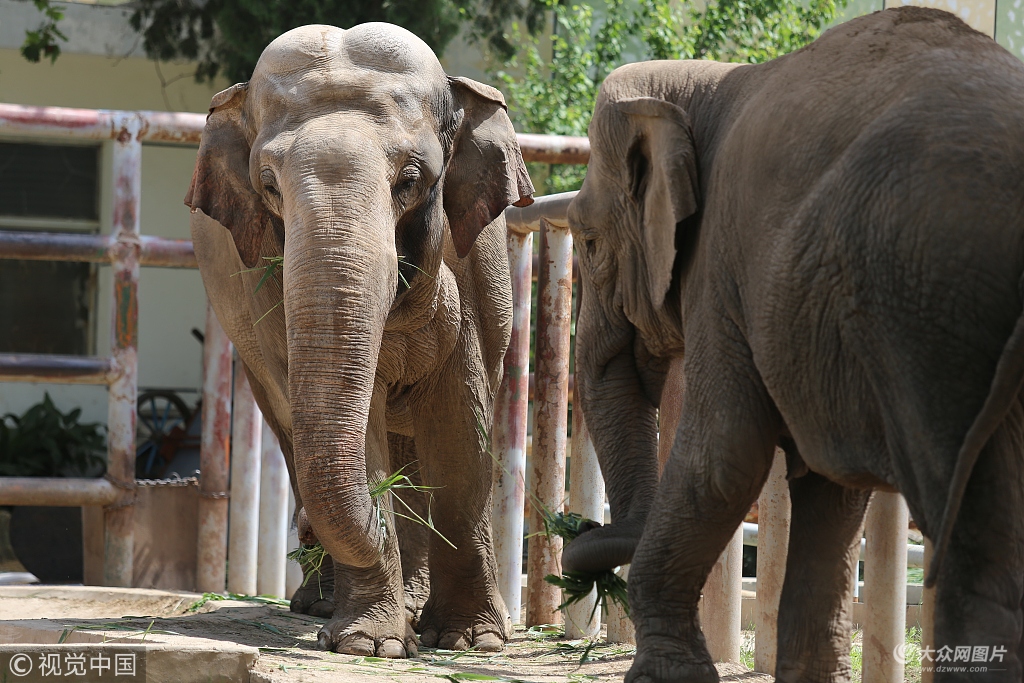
553,90
578,585
227,36
43,41
44,442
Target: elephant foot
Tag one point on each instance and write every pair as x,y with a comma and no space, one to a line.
485,629
665,669
367,639
455,639
671,662
315,596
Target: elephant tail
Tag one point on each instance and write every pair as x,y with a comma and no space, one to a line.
1006,385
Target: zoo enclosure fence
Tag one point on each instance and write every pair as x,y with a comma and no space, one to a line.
126,250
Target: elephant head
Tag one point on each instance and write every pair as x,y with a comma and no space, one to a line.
628,221
365,162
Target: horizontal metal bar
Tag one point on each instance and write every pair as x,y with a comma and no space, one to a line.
552,207
915,553
187,128
51,224
53,246
554,149
37,367
64,492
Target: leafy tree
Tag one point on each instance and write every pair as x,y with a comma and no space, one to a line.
556,94
43,41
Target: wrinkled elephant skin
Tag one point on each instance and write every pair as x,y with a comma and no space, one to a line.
377,184
836,239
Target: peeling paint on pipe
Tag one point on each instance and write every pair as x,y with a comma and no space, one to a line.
273,541
508,439
49,246
213,459
244,504
119,543
586,497
554,301
57,491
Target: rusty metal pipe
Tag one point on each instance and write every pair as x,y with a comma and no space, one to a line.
58,491
37,367
119,520
508,439
244,505
61,246
885,586
187,128
552,208
586,497
273,530
214,451
551,405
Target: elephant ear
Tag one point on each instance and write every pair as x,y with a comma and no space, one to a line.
662,170
486,172
220,182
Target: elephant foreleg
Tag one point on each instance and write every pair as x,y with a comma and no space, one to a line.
369,602
719,462
814,611
465,608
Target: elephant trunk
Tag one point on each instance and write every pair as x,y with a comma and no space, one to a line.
338,293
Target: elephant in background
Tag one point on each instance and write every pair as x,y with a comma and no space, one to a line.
833,242
381,181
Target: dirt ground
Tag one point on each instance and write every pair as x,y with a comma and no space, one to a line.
287,642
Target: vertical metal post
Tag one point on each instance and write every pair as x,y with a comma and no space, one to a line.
885,587
586,498
620,628
213,459
773,516
508,438
723,603
551,404
244,505
119,544
273,545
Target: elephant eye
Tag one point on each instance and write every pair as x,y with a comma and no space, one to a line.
270,190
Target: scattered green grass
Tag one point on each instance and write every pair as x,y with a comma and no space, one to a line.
270,270
915,575
213,597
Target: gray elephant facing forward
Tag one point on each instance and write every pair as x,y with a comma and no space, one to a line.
836,240
381,182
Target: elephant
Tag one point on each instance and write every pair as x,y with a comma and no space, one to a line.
832,244
377,184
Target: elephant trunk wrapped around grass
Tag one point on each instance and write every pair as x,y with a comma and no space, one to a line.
347,219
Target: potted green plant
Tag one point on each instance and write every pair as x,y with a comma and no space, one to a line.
45,442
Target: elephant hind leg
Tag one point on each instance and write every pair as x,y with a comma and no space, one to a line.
980,588
720,459
814,611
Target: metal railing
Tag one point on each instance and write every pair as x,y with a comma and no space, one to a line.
126,250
